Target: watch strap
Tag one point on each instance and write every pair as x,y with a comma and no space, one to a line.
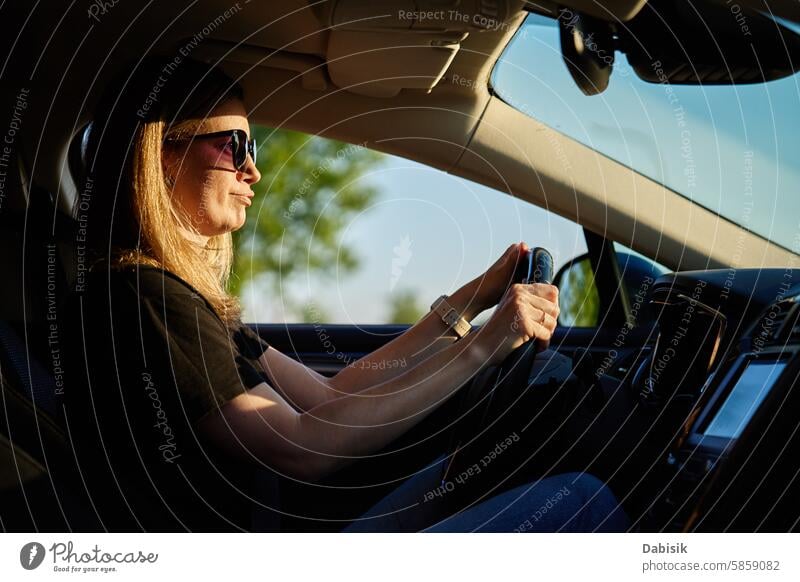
451,317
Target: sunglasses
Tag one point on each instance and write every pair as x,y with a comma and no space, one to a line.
240,145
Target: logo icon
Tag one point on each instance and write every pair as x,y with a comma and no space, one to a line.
31,555
402,255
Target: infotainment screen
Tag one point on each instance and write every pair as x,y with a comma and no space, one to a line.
750,390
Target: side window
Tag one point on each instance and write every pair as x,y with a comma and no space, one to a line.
339,234
579,298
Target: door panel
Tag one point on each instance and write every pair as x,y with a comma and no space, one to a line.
328,348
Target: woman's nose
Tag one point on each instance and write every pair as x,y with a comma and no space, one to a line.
250,173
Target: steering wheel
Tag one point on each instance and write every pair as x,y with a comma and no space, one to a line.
498,391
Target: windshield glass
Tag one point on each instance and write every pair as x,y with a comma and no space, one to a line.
731,149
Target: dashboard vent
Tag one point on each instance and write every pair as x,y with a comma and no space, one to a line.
792,326
772,328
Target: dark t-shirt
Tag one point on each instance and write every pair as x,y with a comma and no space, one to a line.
148,358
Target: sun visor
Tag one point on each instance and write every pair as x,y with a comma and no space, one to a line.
381,48
381,64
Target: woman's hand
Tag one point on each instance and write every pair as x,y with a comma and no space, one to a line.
526,312
490,287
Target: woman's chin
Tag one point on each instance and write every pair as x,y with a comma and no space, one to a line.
239,223
234,221
234,225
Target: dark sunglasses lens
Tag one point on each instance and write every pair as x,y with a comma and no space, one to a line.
236,143
241,147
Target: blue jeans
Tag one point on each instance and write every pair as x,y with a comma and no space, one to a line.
571,502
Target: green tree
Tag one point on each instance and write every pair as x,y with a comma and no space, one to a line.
312,312
578,296
309,190
404,307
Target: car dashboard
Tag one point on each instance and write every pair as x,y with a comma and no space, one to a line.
723,364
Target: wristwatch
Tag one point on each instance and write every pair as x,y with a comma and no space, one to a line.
451,317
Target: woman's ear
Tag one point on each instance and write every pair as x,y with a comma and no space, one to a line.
168,167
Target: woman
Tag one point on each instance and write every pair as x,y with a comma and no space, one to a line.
174,402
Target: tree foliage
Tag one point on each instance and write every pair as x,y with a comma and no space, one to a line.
404,307
310,188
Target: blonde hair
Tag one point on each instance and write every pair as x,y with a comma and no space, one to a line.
126,151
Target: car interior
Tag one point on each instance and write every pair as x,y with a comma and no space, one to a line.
681,396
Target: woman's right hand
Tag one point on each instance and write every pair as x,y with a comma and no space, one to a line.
524,313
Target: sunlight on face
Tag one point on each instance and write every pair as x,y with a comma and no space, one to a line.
207,186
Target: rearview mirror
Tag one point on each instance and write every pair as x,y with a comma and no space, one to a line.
709,43
669,42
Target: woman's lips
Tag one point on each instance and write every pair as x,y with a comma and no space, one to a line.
247,198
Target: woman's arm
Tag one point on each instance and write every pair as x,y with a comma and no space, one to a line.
306,389
260,425
298,384
425,338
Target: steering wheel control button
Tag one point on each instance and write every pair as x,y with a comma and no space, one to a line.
542,265
534,266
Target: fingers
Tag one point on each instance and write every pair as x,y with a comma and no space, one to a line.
550,308
545,290
511,255
535,310
531,323
541,310
540,295
515,250
522,248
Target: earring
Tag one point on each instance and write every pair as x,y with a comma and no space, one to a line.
169,181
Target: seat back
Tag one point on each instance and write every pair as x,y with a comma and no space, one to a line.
38,385
40,488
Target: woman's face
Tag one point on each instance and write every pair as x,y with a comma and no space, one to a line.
207,185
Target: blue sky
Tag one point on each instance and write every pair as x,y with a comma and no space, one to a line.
446,230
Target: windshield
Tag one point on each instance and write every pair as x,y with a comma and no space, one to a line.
731,149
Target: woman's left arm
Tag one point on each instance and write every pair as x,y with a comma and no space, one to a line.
425,338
